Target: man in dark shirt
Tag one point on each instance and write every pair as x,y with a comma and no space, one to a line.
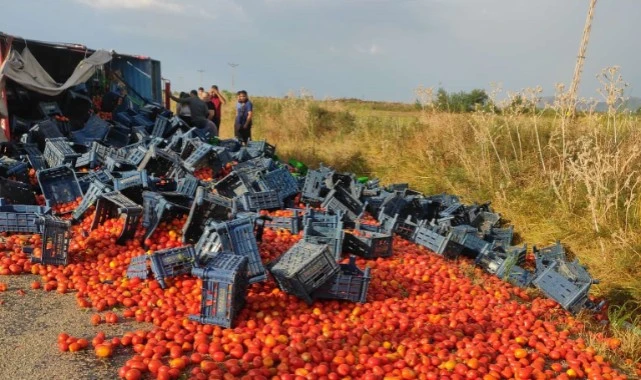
199,113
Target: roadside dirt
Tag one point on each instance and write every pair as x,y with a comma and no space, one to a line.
29,327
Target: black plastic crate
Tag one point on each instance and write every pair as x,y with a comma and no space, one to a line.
15,192
49,109
114,204
59,185
230,186
56,235
206,206
187,185
95,129
118,136
282,181
172,262
90,198
340,199
11,167
159,163
264,200
349,284
35,157
304,268
139,267
157,206
224,285
237,236
58,152
369,245
314,189
102,176
260,148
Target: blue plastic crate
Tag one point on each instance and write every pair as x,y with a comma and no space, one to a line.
264,200
157,206
209,243
293,223
118,136
502,237
102,176
369,245
230,186
237,236
325,233
124,118
35,157
115,205
19,222
339,199
571,295
206,206
141,120
95,129
438,244
282,181
138,267
199,157
260,148
11,167
349,284
172,262
59,185
224,285
15,192
159,163
314,189
49,109
90,198
162,127
56,235
304,268
58,152
187,185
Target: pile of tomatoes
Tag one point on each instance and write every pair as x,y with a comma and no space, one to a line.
425,318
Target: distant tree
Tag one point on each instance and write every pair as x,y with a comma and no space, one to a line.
461,101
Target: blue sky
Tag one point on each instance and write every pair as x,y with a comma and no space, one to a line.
372,49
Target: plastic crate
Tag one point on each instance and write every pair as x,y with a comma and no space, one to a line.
292,223
143,121
56,235
502,237
260,148
232,145
304,268
114,204
46,129
313,216
11,167
95,129
394,204
49,109
199,157
35,157
138,179
349,284
156,207
140,134
314,189
15,192
485,221
436,243
125,118
162,127
209,243
12,220
572,296
85,179
264,200
237,236
339,199
405,228
546,255
58,152
282,181
172,262
59,185
224,285
159,163
325,233
473,246
90,198
187,185
500,263
206,206
369,245
136,154
138,267
118,136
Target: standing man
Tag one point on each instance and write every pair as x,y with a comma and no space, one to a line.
244,116
217,100
199,113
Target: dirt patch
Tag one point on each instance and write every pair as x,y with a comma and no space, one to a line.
29,328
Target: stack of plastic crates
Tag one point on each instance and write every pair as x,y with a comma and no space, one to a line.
224,284
349,284
55,241
172,262
206,206
369,245
304,268
58,152
114,204
157,206
59,185
237,236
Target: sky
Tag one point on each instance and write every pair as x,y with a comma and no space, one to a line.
368,49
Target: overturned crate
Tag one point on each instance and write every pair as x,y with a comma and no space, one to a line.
314,189
206,206
570,291
157,206
304,268
172,262
264,200
112,205
282,181
340,199
96,188
369,245
58,152
15,192
291,223
56,235
349,284
330,233
439,244
20,218
224,284
138,267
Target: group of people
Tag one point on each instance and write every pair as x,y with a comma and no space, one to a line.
202,109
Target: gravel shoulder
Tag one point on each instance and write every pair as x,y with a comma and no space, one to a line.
29,328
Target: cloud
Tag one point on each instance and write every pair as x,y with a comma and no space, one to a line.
148,32
159,5
373,49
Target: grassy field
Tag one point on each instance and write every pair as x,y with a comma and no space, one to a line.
553,176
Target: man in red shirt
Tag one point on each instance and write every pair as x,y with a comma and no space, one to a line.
218,100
